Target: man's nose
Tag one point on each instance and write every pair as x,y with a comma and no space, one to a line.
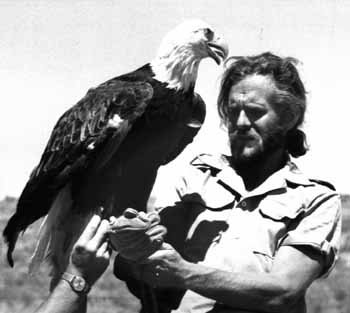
243,122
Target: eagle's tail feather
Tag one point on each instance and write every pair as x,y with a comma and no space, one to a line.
34,203
40,249
11,233
49,247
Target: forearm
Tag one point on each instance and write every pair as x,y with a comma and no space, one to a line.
89,259
63,300
247,291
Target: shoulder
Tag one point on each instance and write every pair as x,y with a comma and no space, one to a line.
305,196
322,191
297,178
323,183
317,220
322,196
322,200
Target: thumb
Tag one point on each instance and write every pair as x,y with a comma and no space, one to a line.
166,246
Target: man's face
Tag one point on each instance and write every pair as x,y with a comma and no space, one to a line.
253,123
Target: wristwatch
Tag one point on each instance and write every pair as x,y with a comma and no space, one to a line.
77,283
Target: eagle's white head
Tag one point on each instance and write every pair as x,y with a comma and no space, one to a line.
181,51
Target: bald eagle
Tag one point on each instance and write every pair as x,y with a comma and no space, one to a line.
105,151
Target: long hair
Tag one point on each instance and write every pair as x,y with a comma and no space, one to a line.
290,96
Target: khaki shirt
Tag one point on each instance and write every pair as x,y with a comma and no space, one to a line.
234,230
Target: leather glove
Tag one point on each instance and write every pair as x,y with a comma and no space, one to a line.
136,235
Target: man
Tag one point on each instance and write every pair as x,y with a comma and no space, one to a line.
249,232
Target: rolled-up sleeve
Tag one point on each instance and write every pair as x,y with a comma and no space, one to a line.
320,228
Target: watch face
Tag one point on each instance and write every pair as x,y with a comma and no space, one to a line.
78,283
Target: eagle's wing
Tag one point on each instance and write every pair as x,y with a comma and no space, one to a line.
192,127
105,112
104,115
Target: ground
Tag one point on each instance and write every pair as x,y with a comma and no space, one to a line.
20,293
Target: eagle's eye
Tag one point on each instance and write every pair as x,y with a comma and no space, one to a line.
208,33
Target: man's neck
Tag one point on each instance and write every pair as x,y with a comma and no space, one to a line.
256,172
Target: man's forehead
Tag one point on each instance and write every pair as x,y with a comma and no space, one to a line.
253,85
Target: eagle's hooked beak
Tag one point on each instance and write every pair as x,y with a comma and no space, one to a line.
217,49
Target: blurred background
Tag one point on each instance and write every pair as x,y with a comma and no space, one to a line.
52,52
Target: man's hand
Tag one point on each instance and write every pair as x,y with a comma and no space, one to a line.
164,268
91,254
89,259
136,235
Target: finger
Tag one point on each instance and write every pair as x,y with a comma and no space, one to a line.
143,216
160,254
112,219
156,231
155,257
107,254
167,246
100,235
157,242
90,229
102,249
154,218
130,213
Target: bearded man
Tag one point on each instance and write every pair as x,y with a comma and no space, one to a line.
250,232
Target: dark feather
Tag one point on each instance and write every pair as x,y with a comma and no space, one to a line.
113,167
67,151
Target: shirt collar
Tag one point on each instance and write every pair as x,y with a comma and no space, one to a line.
293,174
278,180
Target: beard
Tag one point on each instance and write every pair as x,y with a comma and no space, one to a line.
246,155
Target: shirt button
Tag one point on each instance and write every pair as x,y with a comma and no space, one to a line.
244,204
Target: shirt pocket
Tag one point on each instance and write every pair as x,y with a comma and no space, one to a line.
275,215
280,208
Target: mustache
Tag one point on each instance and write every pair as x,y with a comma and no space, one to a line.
243,134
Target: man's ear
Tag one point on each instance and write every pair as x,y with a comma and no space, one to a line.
288,119
289,111
291,119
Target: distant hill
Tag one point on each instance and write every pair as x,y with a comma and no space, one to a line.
19,293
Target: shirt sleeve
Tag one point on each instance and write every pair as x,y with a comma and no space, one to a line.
320,228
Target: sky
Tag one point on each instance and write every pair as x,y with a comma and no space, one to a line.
52,52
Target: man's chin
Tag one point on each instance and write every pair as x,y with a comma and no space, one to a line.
245,159
238,162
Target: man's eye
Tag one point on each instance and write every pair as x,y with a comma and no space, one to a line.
255,112
233,109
